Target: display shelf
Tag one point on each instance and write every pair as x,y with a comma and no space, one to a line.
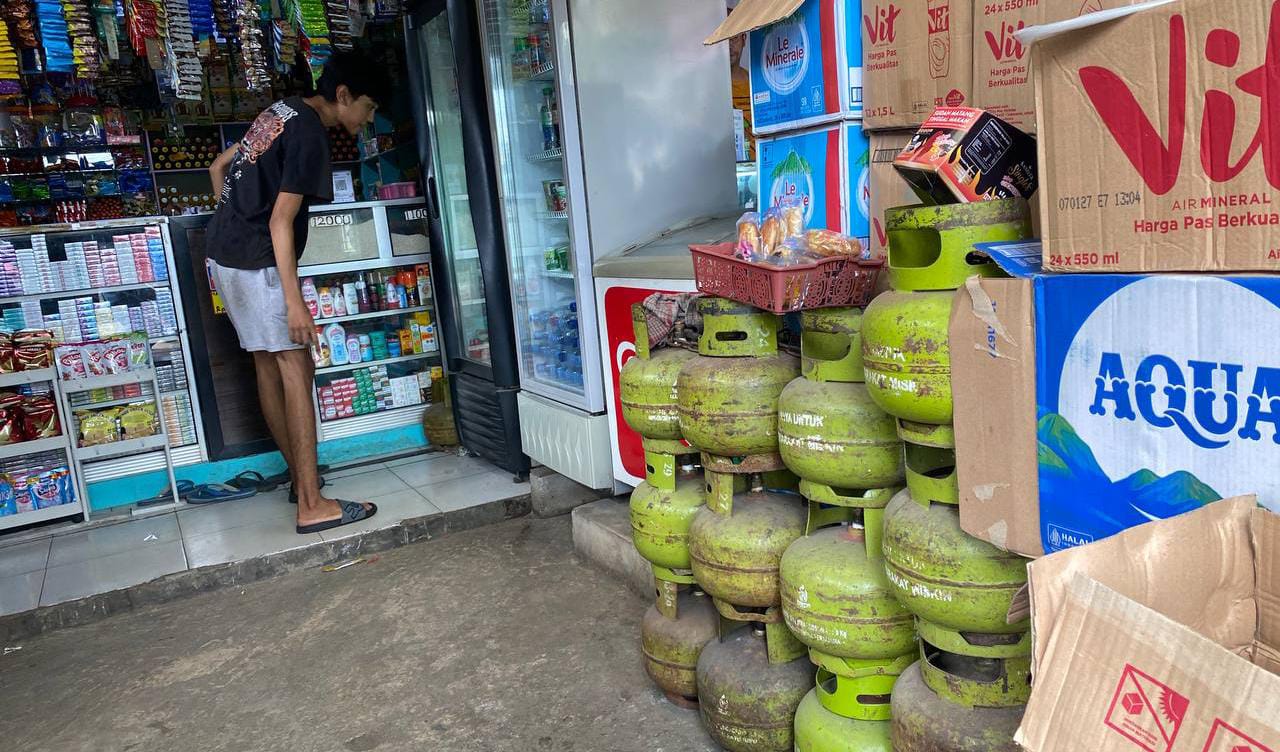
39,515
180,170
110,380
28,377
547,155
384,411
558,273
380,421
23,448
372,315
115,402
383,362
83,292
128,446
555,215
472,301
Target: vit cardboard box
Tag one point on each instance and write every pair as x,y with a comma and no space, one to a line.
916,55
888,189
805,60
828,169
1002,80
1158,147
1164,638
964,154
1086,404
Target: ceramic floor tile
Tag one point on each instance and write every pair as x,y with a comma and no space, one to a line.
461,493
392,508
344,472
259,539
199,520
364,486
21,592
24,557
415,457
106,573
130,536
440,468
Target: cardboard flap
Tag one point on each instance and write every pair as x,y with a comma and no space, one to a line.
1266,552
1196,569
751,15
1117,676
1033,34
1021,260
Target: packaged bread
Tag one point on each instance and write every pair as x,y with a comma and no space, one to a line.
831,243
748,236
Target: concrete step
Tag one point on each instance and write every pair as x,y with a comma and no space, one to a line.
553,494
602,536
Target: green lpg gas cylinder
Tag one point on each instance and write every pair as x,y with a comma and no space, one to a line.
672,646
837,599
958,587
830,431
735,551
748,703
660,518
728,395
931,247
820,730
647,385
923,721
907,355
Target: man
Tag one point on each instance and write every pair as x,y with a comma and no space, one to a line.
268,181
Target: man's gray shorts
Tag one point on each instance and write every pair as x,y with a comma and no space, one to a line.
255,302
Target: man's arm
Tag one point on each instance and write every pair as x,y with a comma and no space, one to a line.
218,170
302,328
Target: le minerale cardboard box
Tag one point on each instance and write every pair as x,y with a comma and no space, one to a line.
1002,80
827,170
1157,137
1164,638
805,60
887,187
916,55
964,154
1086,404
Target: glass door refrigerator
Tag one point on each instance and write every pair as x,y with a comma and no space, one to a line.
469,260
610,121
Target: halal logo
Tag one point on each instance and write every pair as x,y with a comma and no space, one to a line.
785,57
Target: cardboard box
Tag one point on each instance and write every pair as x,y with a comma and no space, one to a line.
1164,638
1002,80
1155,151
963,154
887,187
917,55
828,169
1087,404
805,60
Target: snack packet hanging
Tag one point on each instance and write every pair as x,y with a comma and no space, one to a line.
749,242
137,421
70,362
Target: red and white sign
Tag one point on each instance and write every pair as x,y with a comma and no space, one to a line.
1146,712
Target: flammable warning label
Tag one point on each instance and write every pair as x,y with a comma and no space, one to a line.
1227,738
1145,711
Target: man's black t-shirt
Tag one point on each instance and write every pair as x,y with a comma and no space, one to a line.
285,151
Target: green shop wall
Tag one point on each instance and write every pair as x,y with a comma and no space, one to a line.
350,450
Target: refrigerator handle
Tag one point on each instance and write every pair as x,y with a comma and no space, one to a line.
433,197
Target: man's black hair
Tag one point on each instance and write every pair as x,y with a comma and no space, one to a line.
361,74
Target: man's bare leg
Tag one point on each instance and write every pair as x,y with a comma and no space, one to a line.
297,372
271,399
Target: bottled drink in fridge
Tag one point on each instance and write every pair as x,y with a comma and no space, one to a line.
550,131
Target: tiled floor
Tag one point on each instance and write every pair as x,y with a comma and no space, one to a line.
78,563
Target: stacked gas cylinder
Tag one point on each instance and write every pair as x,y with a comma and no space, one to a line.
753,676
967,690
682,620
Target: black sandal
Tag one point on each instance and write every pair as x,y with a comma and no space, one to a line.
352,511
252,480
284,477
293,494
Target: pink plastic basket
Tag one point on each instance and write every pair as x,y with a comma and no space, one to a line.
398,190
831,282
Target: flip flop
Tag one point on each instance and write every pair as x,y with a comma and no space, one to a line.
212,493
352,511
252,479
293,495
185,487
282,478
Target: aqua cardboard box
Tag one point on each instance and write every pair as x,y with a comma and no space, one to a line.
828,169
805,60
1086,404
